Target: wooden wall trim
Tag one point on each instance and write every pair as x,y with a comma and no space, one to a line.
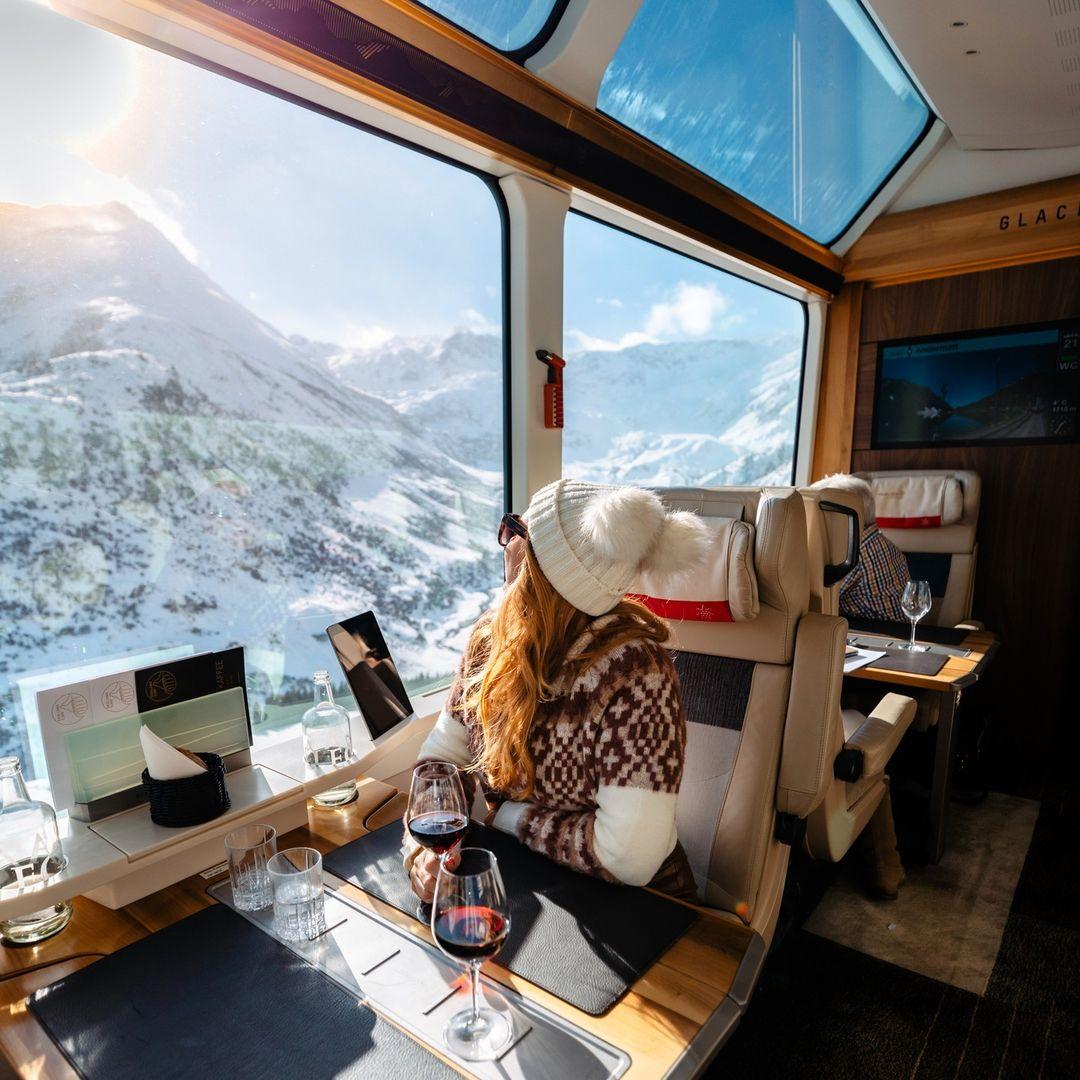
255,30
836,397
1026,224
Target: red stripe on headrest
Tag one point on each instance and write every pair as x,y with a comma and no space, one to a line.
685,610
927,522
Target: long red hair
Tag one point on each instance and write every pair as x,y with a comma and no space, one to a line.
516,659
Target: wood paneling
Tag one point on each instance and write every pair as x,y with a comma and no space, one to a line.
836,397
1028,577
1005,228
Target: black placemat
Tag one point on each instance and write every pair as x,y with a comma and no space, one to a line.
913,663
936,635
583,939
214,996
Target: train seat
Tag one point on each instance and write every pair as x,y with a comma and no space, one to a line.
747,786
931,515
860,746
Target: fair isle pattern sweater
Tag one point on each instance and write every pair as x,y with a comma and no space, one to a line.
608,751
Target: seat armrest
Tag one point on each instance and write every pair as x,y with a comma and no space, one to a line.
971,624
880,733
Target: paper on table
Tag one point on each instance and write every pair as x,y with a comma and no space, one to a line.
861,658
165,762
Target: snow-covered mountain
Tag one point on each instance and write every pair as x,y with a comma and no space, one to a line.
698,412
176,471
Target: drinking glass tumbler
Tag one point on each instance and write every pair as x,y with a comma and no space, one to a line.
299,905
250,849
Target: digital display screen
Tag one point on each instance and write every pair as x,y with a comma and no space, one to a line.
1020,384
370,671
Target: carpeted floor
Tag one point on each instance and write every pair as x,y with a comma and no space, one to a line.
949,919
825,1010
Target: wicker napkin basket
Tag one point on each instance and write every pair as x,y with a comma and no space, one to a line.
190,801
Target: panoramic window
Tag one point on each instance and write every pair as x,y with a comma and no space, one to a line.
677,373
796,104
250,379
506,24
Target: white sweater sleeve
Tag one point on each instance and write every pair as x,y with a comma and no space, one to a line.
447,741
634,831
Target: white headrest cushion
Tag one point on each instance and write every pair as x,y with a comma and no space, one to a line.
722,588
917,502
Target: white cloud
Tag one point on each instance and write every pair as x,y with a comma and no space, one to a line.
353,336
691,311
160,207
471,319
609,301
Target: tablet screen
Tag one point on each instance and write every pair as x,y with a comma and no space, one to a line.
371,672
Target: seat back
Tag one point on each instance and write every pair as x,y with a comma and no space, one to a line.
833,531
932,515
736,675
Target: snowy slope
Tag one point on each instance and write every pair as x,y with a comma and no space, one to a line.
177,472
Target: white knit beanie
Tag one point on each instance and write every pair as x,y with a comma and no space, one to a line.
592,541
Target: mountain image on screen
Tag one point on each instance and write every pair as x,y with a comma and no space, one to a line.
177,472
992,387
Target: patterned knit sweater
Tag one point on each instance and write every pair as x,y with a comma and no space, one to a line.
608,751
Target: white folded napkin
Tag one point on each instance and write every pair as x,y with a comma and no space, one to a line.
165,762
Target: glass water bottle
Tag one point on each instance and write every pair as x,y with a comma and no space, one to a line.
328,740
30,854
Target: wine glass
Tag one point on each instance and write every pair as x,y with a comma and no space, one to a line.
438,815
470,921
916,603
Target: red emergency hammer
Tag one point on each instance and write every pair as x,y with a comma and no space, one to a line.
553,400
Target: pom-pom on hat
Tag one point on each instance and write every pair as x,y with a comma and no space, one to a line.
592,541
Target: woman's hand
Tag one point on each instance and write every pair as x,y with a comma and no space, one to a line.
425,869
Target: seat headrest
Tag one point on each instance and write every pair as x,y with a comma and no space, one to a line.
761,545
931,510
917,502
722,589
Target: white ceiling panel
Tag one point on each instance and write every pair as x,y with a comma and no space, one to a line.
1006,77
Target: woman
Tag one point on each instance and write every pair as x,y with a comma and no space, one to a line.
566,705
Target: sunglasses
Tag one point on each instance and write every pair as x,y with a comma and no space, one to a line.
511,525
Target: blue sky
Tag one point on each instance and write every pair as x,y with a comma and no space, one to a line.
321,229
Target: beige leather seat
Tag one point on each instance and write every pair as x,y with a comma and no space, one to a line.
756,761
931,515
859,746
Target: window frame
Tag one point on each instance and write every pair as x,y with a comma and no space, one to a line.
522,52
931,119
788,293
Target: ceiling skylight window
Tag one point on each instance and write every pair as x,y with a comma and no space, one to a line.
509,25
798,105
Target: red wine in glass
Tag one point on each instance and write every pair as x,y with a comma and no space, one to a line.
470,933
470,921
438,830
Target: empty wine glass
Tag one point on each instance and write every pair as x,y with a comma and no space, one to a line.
916,603
470,921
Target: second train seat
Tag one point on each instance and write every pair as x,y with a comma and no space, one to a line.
931,515
754,766
859,745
